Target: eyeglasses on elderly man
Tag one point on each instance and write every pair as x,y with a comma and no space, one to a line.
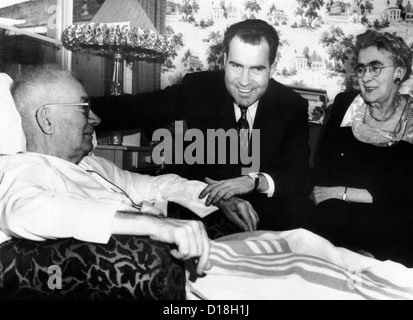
81,106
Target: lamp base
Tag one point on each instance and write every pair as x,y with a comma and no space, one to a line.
115,138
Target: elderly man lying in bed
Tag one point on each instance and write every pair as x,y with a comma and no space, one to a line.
56,190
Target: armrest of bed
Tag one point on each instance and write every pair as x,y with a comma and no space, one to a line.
125,268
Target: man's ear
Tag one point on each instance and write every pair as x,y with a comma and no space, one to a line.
225,59
43,121
272,69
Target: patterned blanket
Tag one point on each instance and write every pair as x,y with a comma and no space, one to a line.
295,265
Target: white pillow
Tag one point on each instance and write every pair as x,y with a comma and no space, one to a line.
12,139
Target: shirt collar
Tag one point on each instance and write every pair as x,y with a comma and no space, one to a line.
252,111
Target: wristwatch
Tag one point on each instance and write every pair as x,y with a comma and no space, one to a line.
254,176
345,195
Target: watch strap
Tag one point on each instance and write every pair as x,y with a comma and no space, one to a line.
345,194
256,179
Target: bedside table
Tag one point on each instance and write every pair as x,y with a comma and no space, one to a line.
135,159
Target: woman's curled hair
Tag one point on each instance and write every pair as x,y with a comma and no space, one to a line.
402,53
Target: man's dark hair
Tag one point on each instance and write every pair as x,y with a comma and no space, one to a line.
253,31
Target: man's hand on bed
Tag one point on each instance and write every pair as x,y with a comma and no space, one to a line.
226,189
188,237
240,212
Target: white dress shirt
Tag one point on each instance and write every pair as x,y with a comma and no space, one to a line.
251,112
44,197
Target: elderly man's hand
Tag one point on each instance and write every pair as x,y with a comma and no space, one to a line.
321,194
240,212
190,238
226,189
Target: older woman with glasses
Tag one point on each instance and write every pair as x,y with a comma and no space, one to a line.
363,180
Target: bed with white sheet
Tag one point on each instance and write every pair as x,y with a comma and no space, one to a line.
296,264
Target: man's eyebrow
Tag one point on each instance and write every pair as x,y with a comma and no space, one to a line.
259,67
236,63
251,67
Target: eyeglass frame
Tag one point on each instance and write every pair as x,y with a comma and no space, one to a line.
75,104
369,66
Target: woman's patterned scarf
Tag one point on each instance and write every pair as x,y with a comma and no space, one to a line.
354,118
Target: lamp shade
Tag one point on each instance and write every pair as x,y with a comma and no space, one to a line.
120,11
119,26
110,39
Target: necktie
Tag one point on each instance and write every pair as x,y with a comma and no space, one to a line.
243,129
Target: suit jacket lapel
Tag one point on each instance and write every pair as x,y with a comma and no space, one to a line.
226,112
267,110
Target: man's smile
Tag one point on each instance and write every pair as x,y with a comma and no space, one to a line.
245,91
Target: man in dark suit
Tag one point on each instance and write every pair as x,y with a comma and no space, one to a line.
218,100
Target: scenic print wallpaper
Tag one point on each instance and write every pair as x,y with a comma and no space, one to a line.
316,36
315,52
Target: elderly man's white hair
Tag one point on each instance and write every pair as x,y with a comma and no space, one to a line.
35,88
